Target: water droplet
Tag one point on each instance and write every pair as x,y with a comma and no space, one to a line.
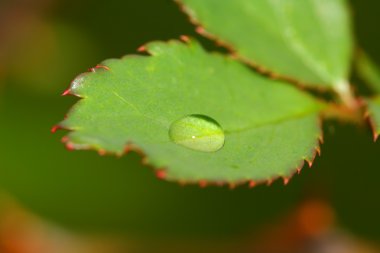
197,132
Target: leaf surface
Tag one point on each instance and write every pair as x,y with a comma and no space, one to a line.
308,41
270,127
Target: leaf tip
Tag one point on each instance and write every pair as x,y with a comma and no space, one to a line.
286,180
161,174
202,183
55,128
102,152
66,92
100,66
200,30
309,162
252,184
69,146
321,139
142,49
375,134
184,38
318,150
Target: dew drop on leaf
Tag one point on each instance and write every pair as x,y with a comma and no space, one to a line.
197,132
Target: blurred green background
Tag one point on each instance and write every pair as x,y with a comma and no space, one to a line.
44,44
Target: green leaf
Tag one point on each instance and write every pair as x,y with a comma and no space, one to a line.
132,103
309,41
374,115
368,71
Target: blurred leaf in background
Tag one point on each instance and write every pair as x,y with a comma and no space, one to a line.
38,54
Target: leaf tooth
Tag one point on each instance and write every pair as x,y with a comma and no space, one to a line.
127,149
200,30
286,180
251,184
321,139
102,152
64,139
69,146
185,38
367,115
309,162
318,150
66,92
78,80
202,183
300,166
375,136
55,128
161,174
100,66
142,49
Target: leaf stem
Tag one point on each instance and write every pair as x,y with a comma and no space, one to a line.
345,94
350,108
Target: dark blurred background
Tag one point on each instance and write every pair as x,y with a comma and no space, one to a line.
53,200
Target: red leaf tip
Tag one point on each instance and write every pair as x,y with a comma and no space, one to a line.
55,128
309,162
69,146
318,149
184,38
102,67
200,30
102,152
375,136
251,184
161,174
202,183
141,49
66,92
